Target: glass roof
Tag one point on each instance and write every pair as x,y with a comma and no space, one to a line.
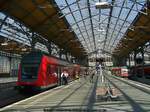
100,29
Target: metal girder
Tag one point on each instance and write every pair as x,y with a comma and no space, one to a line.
3,22
110,15
76,21
83,23
90,15
121,26
104,51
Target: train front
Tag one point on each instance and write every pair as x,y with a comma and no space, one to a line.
28,71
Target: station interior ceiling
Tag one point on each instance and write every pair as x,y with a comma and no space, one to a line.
77,26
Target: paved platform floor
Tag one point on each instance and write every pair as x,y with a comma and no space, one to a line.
85,95
7,79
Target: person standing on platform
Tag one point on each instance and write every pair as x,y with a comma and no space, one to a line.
64,77
77,76
100,73
92,77
85,73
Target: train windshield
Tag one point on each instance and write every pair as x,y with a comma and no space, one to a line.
30,65
29,71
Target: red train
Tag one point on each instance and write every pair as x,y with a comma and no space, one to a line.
140,71
120,71
40,71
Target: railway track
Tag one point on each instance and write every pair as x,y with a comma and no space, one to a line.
9,95
82,96
134,84
75,95
7,85
136,94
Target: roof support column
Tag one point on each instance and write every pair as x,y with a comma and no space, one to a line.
129,58
60,53
83,61
3,22
33,42
49,47
135,72
142,52
10,70
135,53
66,54
119,61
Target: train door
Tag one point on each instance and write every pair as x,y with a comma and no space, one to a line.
139,72
48,74
124,72
52,73
59,69
57,74
147,72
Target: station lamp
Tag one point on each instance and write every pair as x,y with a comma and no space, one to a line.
102,5
4,44
100,30
23,49
128,39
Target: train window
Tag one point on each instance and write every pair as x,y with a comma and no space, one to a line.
48,69
60,70
29,71
51,69
56,70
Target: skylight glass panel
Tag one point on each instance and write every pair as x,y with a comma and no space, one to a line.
70,19
77,16
74,7
83,3
70,1
61,3
66,11
2,16
124,13
105,11
85,13
116,11
132,16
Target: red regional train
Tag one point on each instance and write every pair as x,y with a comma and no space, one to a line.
39,71
120,71
140,71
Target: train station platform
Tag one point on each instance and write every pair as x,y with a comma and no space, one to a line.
7,79
105,93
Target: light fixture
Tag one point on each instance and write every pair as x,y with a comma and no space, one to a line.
131,28
128,38
23,49
4,44
100,30
67,29
102,5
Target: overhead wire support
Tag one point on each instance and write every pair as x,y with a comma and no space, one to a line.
108,25
88,3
